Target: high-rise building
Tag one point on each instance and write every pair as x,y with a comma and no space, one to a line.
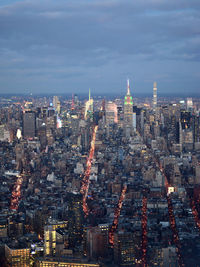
196,128
186,119
50,240
64,263
75,215
111,113
154,96
76,101
125,248
29,124
189,104
17,254
89,108
97,241
128,108
56,104
50,237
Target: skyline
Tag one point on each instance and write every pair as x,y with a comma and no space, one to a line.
60,48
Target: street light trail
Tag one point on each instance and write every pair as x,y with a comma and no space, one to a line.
172,218
16,194
86,178
195,213
144,231
116,215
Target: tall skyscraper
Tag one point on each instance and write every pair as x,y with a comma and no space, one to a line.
56,104
111,113
29,124
89,108
154,96
50,236
189,104
75,215
128,108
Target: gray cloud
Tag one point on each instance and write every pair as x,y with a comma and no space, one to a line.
71,44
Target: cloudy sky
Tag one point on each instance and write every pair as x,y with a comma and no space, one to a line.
49,46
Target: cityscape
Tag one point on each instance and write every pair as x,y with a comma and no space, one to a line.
99,133
100,182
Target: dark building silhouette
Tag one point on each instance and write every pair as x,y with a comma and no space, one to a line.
29,124
75,216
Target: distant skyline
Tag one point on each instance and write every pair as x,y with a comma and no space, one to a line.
60,47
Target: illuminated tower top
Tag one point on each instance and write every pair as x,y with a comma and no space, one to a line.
154,95
72,105
128,87
128,108
128,100
89,107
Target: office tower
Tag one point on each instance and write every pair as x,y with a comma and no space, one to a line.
134,121
17,254
50,240
50,112
29,124
125,248
72,103
180,133
44,112
186,133
56,104
52,262
97,241
76,101
89,108
189,104
85,138
58,107
196,128
50,237
186,119
128,108
75,216
154,96
111,113
173,134
42,135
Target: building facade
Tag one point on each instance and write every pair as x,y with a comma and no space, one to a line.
128,109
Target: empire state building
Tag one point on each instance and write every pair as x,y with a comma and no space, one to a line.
128,108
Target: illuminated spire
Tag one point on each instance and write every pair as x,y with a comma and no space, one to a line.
89,94
128,87
154,96
72,105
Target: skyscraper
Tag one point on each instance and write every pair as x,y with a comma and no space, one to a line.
75,215
89,108
56,104
154,96
29,124
128,108
111,113
189,104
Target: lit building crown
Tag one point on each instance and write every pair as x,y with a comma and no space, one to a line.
128,100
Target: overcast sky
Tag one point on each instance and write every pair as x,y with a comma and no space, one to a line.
65,46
